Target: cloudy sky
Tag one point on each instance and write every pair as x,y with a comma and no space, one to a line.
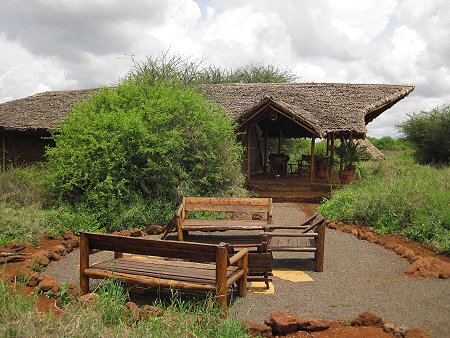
68,44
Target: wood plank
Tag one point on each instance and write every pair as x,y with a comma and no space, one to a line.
292,234
148,281
227,200
146,242
221,228
227,207
293,249
224,222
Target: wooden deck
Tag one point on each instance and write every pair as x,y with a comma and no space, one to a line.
290,188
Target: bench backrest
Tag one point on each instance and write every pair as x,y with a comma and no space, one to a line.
227,204
154,247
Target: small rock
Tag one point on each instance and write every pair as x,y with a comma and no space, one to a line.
429,267
389,327
368,319
125,232
68,245
331,225
390,245
61,249
257,216
400,332
88,298
355,232
135,233
283,322
313,324
68,235
54,256
258,330
415,332
41,258
48,284
154,229
150,311
35,279
74,291
400,249
409,254
133,310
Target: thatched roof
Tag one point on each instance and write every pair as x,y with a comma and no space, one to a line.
41,111
321,107
335,107
375,153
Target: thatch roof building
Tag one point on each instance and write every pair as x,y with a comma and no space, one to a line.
312,110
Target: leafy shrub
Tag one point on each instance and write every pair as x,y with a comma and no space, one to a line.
388,143
398,196
429,134
136,144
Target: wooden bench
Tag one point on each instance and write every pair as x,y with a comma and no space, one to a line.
204,267
184,224
307,237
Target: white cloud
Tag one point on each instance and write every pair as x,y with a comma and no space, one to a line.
49,44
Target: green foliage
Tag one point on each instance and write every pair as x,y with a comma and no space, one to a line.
108,317
143,146
350,152
398,196
388,143
429,133
180,70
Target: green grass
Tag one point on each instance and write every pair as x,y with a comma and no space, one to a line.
108,317
398,196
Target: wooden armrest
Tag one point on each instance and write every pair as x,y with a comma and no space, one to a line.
291,234
239,255
179,210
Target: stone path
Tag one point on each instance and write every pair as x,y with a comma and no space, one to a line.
358,276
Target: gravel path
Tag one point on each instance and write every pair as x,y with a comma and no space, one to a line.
358,276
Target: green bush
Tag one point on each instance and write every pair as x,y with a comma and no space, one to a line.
429,134
398,196
388,143
136,144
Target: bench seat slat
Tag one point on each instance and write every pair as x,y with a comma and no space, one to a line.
157,269
227,207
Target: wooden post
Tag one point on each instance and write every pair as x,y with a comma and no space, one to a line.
265,150
341,153
265,248
3,152
320,247
313,166
279,142
221,277
248,152
242,283
331,158
328,146
84,263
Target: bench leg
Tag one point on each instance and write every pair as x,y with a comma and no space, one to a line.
320,245
221,279
179,230
242,283
84,263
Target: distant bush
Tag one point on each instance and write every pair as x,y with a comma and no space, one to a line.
429,132
143,146
398,196
388,143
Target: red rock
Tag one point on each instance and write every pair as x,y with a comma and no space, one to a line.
258,330
48,284
150,311
125,233
313,324
416,333
135,233
88,298
41,258
283,322
429,267
154,229
35,279
68,245
55,256
409,254
61,249
133,310
68,235
400,249
368,319
74,291
331,225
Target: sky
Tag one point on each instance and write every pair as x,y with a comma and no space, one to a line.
70,44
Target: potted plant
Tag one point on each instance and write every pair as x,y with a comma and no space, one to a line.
321,163
350,153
